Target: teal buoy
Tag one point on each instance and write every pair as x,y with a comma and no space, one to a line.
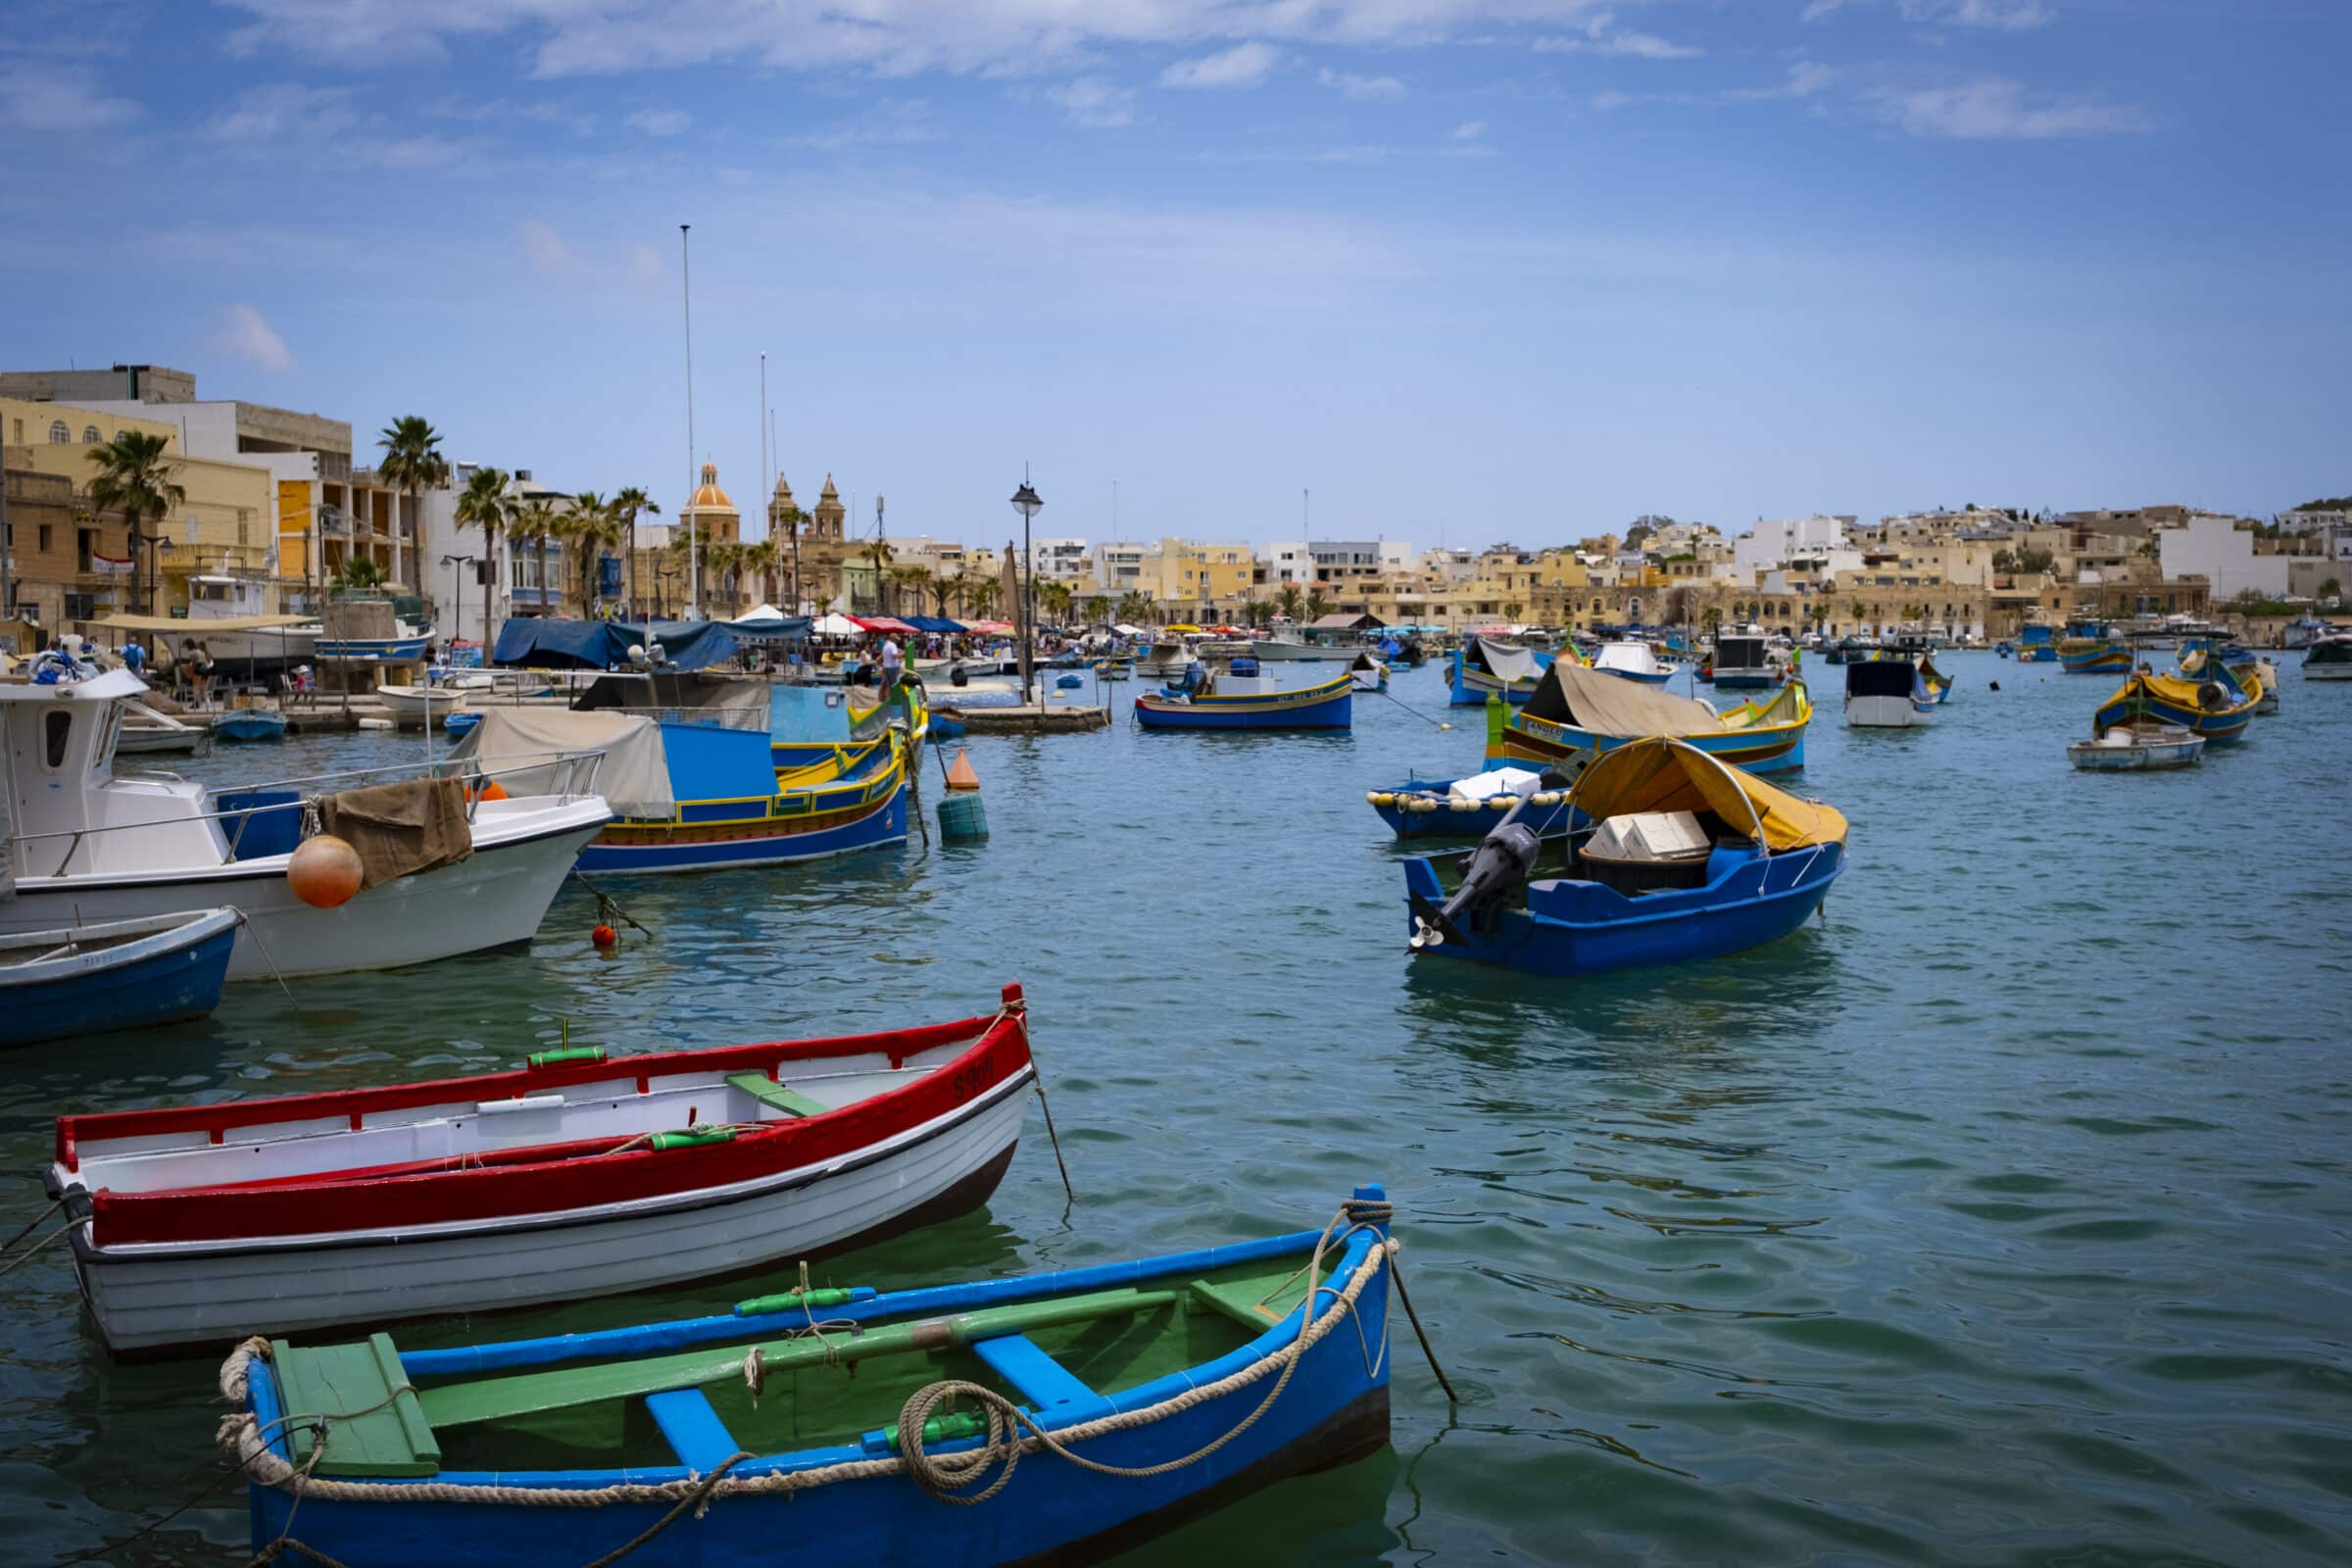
960,818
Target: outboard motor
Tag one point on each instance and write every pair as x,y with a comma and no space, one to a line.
957,677
1499,868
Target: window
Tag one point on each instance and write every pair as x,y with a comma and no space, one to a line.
59,435
44,542
58,729
89,435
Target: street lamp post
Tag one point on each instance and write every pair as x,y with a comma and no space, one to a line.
457,615
1026,503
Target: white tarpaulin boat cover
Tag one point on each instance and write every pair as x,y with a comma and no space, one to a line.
1506,662
1496,781
1610,705
634,777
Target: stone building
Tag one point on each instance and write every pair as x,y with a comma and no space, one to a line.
69,567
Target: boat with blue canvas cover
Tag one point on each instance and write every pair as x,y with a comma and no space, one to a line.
691,771
1226,701
841,1415
116,974
1678,857
1482,667
1575,713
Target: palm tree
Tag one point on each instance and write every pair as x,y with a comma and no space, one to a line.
360,574
134,476
1135,607
533,524
722,563
876,553
1098,608
1290,601
790,519
1317,607
486,505
412,461
761,560
590,528
980,595
915,579
1055,598
951,591
626,505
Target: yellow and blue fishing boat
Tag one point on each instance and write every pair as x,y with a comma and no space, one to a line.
1575,713
2218,706
2091,648
1230,702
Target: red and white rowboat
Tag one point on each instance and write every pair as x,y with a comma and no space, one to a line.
575,1176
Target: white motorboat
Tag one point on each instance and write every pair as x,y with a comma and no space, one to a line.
1630,659
147,730
1884,694
90,846
2330,657
1287,645
416,701
1166,660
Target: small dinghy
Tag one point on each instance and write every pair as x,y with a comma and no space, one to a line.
249,724
123,974
2138,748
413,701
866,1427
147,730
574,1176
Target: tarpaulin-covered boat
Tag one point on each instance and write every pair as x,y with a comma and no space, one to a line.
577,1175
1576,711
1229,702
1482,667
1678,857
837,1422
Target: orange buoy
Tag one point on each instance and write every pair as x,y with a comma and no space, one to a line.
960,776
603,935
325,871
492,791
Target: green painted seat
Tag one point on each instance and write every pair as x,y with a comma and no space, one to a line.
392,1438
791,1101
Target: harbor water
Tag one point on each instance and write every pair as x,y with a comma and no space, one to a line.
2000,1216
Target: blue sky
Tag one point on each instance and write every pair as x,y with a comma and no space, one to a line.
1466,269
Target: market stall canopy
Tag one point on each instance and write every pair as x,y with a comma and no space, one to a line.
1123,629
880,623
633,778
768,624
836,624
935,624
200,628
1662,774
994,628
548,642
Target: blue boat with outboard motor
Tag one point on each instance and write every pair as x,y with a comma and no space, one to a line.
1677,857
1465,808
883,1425
116,975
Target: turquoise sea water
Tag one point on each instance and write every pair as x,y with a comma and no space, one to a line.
2000,1216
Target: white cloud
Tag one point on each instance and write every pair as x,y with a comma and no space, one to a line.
1997,108
2008,16
278,110
896,122
1245,65
544,244
1093,101
39,96
895,37
1365,89
1469,130
243,335
1820,10
659,122
1601,35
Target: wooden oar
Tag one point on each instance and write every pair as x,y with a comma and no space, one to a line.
529,1393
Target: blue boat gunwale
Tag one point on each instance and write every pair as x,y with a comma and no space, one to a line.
1655,906
263,1398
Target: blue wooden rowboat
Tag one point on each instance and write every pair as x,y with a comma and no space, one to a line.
249,724
1241,703
1422,809
815,1418
1479,668
123,974
1684,859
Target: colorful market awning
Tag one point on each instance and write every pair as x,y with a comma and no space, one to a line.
881,623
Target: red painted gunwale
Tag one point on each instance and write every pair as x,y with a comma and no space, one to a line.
546,1178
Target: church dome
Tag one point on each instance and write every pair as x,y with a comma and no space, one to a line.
708,496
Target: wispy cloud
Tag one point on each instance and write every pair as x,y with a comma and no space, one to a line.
277,110
321,125
544,244
1601,35
2008,16
659,122
39,97
1245,65
1805,79
242,334
1093,101
1999,107
1820,10
484,111
1365,89
1469,130
896,122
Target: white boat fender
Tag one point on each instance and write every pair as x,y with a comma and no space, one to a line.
376,723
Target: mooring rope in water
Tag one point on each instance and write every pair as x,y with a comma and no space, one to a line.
1411,709
33,1251
32,1225
607,907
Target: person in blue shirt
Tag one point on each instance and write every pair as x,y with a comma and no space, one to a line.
135,657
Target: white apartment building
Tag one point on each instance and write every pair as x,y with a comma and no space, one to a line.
1117,564
1819,541
1057,559
2213,547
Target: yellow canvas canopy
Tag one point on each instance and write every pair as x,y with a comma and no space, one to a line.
200,628
2185,693
1663,774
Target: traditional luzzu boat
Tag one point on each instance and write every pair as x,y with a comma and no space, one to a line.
697,781
573,1176
2217,707
1482,667
1136,1395
1934,681
1575,713
1369,673
1676,857
1229,702
2255,674
449,865
2037,644
2091,648
1465,808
